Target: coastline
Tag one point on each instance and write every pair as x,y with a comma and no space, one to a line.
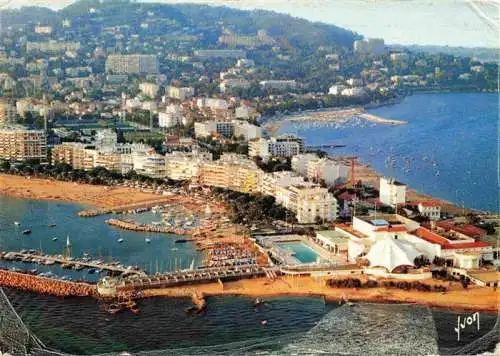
474,298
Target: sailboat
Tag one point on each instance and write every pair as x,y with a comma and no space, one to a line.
68,242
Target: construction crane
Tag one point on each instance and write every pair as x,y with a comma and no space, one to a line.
353,159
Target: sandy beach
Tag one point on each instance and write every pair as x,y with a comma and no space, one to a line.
474,298
95,195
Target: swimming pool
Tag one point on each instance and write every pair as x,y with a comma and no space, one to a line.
303,253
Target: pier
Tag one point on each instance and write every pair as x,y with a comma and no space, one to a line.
68,262
132,285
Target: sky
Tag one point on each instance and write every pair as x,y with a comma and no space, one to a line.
467,23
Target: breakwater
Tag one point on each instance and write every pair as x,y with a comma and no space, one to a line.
42,285
122,208
150,228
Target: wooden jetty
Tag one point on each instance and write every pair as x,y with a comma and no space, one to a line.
36,257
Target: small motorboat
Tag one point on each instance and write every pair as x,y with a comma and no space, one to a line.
120,240
26,232
147,240
258,302
51,225
54,239
17,223
180,241
114,308
264,322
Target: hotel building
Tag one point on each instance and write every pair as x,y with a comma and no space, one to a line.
19,144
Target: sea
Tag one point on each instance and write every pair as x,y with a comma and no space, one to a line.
448,149
457,131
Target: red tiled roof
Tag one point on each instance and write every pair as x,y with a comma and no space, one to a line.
466,229
432,237
430,203
350,230
475,244
399,228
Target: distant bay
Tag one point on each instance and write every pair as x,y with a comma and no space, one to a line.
448,149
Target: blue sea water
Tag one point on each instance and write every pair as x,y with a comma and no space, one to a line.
448,149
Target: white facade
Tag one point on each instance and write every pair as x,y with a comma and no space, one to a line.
329,171
309,202
149,164
429,209
392,192
132,64
245,112
228,129
184,166
171,117
247,130
270,182
336,89
233,84
300,162
214,104
283,146
356,91
179,93
106,138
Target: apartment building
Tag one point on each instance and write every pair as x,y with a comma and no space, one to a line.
19,144
171,117
430,209
278,84
52,46
326,170
309,201
282,146
179,93
8,113
271,182
219,53
392,192
77,155
228,129
185,165
236,83
132,64
232,171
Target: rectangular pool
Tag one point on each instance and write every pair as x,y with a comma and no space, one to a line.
303,252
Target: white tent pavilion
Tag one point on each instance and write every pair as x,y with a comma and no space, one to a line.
391,253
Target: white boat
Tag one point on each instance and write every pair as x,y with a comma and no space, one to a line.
120,240
54,239
147,240
17,223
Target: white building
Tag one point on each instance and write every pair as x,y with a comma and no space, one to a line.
336,89
327,170
430,209
106,138
236,83
132,64
185,165
245,112
283,146
392,192
220,53
179,93
300,162
309,202
46,30
270,182
171,117
149,164
245,63
212,103
356,91
228,129
247,130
